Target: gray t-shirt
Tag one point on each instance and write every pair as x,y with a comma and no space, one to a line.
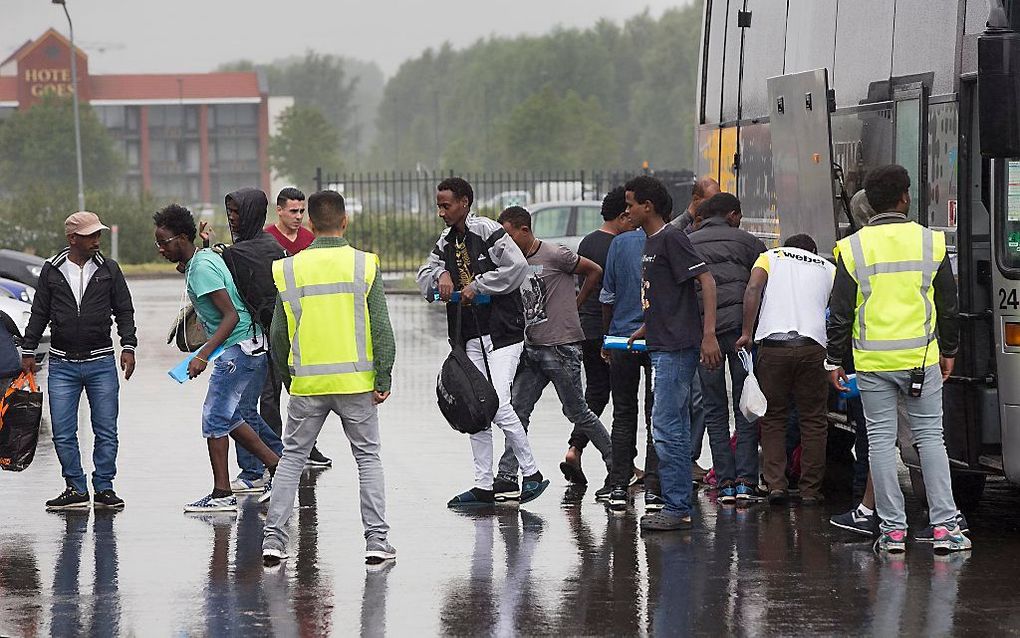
550,300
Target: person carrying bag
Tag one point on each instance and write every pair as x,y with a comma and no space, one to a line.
20,414
466,397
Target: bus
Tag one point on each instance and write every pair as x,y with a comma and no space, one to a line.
798,99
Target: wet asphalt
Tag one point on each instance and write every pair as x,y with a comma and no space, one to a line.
559,565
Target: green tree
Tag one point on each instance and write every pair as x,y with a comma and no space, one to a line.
37,149
306,140
552,132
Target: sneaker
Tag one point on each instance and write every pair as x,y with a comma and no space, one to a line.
653,502
475,497
573,473
210,504
893,542
69,499
378,551
108,499
662,522
727,493
778,497
856,521
318,459
505,490
618,500
950,538
602,494
747,492
271,556
267,492
248,486
927,535
532,487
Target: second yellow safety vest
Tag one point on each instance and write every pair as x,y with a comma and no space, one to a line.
894,266
325,296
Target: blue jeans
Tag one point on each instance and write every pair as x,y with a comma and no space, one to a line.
729,466
697,419
671,425
251,467
99,380
560,365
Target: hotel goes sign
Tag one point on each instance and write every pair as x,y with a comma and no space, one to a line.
48,81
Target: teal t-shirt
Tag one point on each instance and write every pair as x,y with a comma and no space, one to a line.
207,273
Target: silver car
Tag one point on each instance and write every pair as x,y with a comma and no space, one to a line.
565,222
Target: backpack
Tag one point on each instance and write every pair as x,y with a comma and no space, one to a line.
466,396
251,265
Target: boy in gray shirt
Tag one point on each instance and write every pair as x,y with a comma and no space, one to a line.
552,351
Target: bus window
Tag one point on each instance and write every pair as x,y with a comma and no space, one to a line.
908,147
1009,241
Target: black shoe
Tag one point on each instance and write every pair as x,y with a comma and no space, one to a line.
504,490
108,499
602,494
317,459
618,499
779,497
69,499
475,497
573,473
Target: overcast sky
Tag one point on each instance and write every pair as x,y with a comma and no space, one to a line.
145,36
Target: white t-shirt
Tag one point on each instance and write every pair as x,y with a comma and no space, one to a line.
796,295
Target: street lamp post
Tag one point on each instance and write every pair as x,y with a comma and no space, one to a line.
74,99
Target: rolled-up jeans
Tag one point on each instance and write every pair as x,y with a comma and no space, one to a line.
879,394
671,425
247,408
560,365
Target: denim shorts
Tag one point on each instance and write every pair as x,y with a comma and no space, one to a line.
232,372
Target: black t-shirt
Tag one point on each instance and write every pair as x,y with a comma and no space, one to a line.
595,246
669,297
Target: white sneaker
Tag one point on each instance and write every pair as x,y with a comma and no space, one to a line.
246,486
210,504
267,492
272,556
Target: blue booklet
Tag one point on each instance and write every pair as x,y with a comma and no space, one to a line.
620,343
179,373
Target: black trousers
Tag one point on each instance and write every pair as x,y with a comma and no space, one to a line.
269,401
626,383
597,385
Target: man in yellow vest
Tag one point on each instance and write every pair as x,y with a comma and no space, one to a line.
894,295
333,346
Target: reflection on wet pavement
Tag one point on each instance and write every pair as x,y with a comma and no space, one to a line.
560,565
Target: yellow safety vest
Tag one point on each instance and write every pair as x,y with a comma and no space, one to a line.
894,266
325,296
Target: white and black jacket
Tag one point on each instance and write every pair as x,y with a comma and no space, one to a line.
81,333
499,269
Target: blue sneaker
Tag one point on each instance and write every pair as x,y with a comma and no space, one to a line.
210,504
927,535
532,487
267,492
727,493
475,497
856,521
747,492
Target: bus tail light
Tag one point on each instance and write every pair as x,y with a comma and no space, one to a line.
1012,334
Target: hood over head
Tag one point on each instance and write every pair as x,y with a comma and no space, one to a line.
251,207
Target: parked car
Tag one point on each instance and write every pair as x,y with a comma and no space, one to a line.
20,266
565,222
17,290
20,312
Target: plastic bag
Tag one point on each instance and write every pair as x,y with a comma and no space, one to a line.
752,400
20,414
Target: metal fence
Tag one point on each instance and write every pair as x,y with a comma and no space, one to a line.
393,213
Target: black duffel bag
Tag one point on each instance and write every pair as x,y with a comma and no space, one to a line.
20,413
466,396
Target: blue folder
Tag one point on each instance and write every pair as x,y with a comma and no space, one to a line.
179,373
620,343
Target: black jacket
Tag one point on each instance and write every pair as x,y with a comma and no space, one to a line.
843,307
730,254
81,333
10,337
250,259
499,269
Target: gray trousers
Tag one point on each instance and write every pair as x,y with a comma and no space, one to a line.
879,394
305,417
